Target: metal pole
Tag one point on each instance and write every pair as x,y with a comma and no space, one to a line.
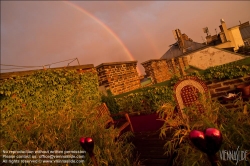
93,159
213,160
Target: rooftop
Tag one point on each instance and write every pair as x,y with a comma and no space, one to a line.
175,51
245,32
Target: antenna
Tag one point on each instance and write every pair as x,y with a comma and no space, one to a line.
205,30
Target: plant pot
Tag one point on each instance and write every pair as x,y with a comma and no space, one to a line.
245,89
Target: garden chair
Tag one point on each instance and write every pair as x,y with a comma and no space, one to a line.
103,110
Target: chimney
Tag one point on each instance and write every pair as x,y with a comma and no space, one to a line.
224,29
180,39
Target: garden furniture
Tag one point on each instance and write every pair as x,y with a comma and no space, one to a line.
103,110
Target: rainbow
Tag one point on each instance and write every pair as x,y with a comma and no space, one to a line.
147,35
105,27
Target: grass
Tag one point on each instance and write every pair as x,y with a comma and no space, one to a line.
234,126
245,61
127,93
164,83
146,82
192,69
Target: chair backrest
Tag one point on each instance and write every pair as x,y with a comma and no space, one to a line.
103,110
187,92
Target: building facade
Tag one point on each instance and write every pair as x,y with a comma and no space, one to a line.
230,37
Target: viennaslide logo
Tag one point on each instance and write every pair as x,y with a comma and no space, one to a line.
233,155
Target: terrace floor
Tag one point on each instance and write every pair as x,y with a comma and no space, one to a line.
150,149
148,144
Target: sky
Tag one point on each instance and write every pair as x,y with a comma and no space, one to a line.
37,33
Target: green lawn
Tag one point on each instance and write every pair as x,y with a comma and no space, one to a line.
165,83
245,61
192,69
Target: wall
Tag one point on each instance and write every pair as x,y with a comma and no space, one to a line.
211,56
157,70
236,37
225,30
119,77
227,44
220,88
230,37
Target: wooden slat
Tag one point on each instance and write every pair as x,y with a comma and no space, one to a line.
129,122
103,110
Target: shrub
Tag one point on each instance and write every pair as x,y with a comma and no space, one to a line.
110,101
51,110
222,72
149,99
234,126
52,130
227,71
49,90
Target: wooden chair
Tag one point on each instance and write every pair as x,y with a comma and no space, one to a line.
103,110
